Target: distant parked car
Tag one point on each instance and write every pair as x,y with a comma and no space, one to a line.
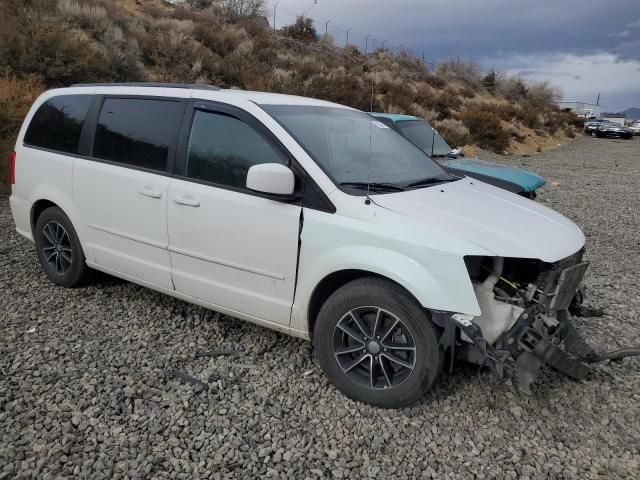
591,126
635,126
426,138
614,130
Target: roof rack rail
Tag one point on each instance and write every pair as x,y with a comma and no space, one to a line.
192,86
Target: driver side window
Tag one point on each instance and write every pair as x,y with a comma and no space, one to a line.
222,148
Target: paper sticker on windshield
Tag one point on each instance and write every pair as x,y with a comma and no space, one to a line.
379,124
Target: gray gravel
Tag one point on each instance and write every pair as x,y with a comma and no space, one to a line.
87,383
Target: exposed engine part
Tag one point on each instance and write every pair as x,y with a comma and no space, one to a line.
525,320
499,361
497,316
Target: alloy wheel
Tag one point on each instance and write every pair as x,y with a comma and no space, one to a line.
56,247
374,348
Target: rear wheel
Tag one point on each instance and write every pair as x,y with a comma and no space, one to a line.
377,344
59,249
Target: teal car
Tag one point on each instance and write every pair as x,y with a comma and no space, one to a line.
424,136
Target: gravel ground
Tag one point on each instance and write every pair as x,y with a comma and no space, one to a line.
87,383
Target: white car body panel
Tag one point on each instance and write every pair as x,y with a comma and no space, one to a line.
234,249
238,253
125,213
505,224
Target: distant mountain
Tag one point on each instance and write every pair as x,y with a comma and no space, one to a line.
631,113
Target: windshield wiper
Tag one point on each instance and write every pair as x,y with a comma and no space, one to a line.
429,181
375,186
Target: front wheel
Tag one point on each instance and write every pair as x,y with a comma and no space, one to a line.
377,344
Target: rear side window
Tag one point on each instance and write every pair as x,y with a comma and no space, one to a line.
58,122
137,132
223,148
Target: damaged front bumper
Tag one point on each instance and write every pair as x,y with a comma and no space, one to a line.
544,332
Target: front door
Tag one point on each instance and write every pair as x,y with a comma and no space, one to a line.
229,246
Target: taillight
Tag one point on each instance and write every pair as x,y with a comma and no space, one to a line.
12,167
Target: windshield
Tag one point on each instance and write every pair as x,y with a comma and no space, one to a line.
424,136
352,147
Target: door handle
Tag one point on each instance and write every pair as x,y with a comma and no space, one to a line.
150,192
187,200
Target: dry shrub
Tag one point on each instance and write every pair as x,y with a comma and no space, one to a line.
485,129
341,87
16,97
435,81
419,111
445,102
453,131
462,71
302,30
425,94
512,88
219,39
517,136
176,57
505,111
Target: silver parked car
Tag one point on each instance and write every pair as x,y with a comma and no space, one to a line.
635,126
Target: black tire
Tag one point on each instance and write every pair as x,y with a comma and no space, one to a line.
59,249
373,298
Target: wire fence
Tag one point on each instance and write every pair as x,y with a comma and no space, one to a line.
281,14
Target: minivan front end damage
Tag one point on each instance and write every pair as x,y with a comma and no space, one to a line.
525,320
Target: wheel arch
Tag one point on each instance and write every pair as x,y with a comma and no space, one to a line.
48,196
442,285
329,285
37,208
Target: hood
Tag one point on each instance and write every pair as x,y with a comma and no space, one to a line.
501,222
526,179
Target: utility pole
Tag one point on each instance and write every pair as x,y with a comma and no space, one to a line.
275,6
347,42
326,27
366,43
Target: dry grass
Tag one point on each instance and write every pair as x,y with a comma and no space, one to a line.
69,41
16,97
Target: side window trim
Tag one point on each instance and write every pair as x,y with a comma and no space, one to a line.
195,105
319,201
180,168
88,133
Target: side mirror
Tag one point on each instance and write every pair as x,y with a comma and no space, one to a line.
273,179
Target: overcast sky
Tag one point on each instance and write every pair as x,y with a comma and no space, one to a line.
583,46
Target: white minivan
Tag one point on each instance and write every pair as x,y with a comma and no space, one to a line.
303,216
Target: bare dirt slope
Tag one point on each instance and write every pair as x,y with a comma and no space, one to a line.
87,387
